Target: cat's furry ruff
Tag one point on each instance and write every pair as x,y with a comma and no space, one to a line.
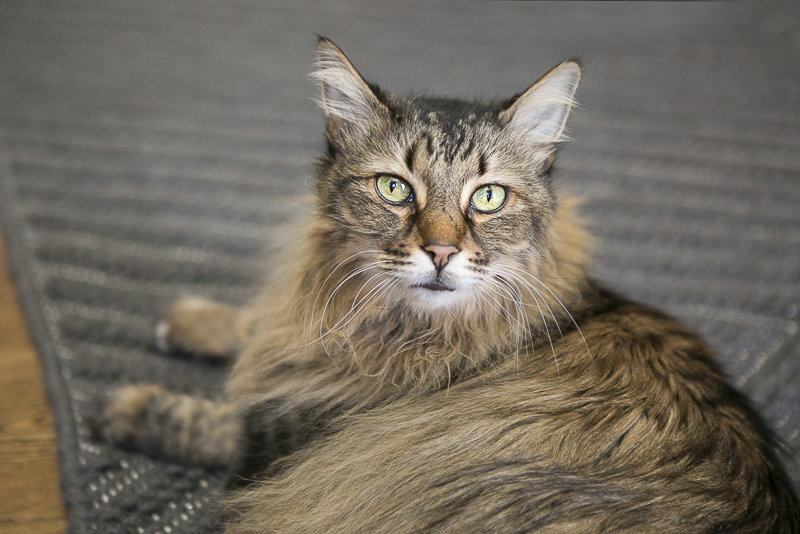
364,402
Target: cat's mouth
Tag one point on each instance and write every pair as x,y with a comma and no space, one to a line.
436,285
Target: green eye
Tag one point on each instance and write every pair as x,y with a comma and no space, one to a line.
393,189
488,198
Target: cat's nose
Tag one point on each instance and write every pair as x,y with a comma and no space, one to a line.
440,254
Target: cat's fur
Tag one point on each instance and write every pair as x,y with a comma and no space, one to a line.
425,367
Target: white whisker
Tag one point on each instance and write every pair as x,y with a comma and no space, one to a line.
371,294
322,286
508,292
355,273
578,328
354,310
529,287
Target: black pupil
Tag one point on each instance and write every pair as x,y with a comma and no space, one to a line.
392,185
488,194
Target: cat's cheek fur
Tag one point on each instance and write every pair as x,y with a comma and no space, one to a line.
357,206
507,236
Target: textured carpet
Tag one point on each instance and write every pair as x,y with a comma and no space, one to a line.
153,148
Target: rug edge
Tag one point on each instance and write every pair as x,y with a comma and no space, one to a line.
59,400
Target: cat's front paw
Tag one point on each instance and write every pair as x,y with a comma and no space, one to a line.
201,327
129,417
151,419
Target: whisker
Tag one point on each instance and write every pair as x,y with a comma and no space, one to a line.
322,286
354,310
560,303
549,337
519,327
527,333
521,307
356,272
529,287
502,312
509,295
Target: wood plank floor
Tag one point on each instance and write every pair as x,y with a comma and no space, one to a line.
30,501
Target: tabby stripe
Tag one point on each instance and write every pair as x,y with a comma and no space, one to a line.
410,157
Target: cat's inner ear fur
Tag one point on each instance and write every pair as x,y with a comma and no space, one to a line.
540,114
349,103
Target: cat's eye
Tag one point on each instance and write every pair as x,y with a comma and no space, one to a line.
393,189
488,198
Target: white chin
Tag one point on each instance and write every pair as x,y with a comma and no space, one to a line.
430,300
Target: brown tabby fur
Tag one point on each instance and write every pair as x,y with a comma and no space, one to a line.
537,403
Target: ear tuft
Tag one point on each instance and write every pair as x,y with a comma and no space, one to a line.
347,100
540,114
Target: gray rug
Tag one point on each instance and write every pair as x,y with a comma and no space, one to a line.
153,148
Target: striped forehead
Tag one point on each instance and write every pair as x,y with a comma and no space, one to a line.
448,138
450,146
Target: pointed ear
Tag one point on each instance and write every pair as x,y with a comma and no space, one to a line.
349,103
540,114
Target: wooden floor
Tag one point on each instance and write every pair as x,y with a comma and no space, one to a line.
30,501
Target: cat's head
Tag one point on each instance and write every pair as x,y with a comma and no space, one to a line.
438,199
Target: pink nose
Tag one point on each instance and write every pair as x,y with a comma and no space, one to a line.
440,254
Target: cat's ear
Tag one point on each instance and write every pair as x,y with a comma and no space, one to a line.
540,113
349,103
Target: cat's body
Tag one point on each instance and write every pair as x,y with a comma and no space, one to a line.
439,362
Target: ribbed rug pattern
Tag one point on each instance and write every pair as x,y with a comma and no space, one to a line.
151,149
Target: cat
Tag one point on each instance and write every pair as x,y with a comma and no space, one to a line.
434,357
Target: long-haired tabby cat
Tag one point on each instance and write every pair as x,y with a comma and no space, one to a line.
434,358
